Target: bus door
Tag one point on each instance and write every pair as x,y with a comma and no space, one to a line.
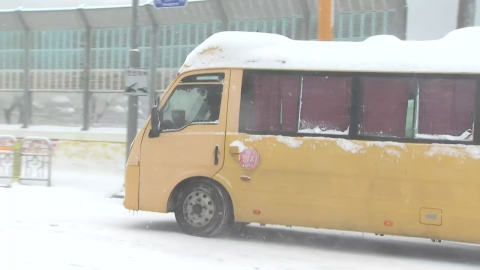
193,122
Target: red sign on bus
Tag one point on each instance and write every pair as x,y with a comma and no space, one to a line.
249,159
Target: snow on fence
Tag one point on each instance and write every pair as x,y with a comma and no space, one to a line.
29,159
7,145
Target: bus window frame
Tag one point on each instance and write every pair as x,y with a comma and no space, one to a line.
178,82
356,106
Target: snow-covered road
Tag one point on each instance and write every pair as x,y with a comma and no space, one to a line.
75,225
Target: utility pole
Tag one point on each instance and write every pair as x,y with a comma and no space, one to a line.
325,20
132,122
466,13
132,118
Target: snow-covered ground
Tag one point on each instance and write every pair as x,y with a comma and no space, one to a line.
76,225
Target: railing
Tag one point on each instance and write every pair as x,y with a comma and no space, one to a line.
36,160
25,161
7,144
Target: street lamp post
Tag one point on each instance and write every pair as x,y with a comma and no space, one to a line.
132,122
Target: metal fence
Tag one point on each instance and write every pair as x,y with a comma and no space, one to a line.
51,60
7,157
27,160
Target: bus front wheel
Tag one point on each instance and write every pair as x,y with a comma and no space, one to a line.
203,209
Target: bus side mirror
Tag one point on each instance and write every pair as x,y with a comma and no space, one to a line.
155,123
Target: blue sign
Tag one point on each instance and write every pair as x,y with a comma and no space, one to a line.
169,3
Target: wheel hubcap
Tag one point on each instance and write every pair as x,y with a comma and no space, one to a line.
198,208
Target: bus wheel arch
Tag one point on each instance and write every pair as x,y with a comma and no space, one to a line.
213,192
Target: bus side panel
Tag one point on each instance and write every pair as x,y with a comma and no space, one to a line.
418,190
385,188
132,172
132,180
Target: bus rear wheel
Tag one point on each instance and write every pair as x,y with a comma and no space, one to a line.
203,209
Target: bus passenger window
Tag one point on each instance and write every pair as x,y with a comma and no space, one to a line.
446,109
283,103
190,104
269,103
384,108
325,105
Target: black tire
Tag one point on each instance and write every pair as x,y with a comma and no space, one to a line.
211,212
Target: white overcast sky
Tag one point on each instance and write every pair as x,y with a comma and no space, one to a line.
12,4
28,4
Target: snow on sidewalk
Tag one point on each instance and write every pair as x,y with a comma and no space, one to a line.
75,225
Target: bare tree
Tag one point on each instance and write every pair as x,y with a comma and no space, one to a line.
98,116
17,103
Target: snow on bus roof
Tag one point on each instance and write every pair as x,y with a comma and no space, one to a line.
457,52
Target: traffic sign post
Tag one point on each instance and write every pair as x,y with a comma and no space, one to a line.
132,119
136,81
169,3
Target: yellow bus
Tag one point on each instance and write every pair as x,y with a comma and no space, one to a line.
375,136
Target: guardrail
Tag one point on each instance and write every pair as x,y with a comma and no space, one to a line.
36,160
7,146
29,159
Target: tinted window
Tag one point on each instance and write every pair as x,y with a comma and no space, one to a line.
446,109
325,104
270,103
294,103
384,106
